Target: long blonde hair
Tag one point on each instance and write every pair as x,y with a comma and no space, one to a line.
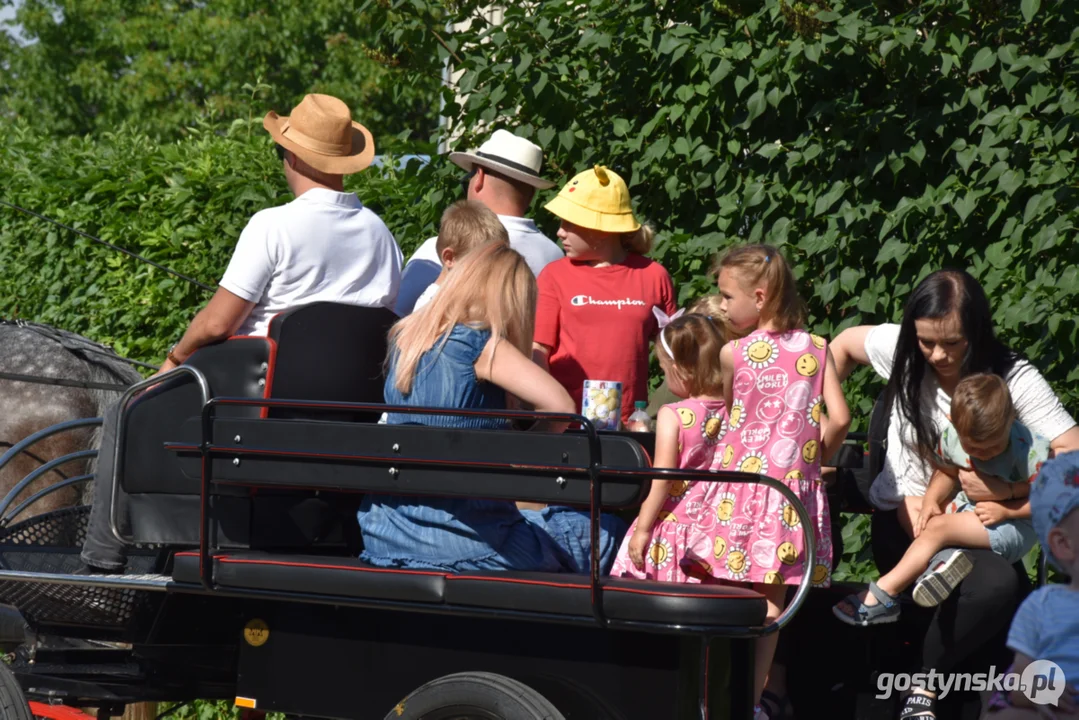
492,288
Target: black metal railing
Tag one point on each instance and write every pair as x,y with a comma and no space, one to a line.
594,470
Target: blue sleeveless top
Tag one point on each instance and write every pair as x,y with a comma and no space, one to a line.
453,534
446,378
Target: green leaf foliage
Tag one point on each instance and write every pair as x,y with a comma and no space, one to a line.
90,65
181,204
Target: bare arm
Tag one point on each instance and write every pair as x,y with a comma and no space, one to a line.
943,486
980,487
506,366
219,320
726,364
1067,441
834,427
667,426
1018,509
848,350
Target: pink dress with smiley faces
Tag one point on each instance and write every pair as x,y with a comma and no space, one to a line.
773,430
700,442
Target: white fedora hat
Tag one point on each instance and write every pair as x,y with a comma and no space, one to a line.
509,155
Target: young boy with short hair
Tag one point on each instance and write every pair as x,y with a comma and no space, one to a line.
465,226
1046,626
985,436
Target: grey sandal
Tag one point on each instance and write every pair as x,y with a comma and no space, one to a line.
885,611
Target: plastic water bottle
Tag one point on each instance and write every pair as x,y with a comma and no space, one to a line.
639,421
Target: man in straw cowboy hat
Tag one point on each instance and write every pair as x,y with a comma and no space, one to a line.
504,175
323,246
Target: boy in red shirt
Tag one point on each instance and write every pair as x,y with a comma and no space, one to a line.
594,318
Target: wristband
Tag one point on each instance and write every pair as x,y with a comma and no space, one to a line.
171,357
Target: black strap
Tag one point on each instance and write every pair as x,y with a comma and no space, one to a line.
918,705
509,163
38,380
74,343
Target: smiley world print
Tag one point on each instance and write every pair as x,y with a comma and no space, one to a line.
773,430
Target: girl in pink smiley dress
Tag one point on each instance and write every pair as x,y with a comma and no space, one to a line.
774,430
700,441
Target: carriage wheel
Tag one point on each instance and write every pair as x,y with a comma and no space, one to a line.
13,705
474,696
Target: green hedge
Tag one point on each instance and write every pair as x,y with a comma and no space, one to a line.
181,204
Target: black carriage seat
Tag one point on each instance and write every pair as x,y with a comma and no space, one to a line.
322,351
420,460
349,579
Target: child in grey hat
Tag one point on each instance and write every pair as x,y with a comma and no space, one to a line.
1045,631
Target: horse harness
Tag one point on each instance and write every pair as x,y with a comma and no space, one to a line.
75,344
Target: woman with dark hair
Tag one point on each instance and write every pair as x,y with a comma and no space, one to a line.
946,334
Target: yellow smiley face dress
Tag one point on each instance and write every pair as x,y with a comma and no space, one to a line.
777,385
689,507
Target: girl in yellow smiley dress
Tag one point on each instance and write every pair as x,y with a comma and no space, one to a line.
689,435
779,377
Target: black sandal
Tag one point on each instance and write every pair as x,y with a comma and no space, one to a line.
917,706
778,708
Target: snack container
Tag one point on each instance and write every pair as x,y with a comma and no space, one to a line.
601,402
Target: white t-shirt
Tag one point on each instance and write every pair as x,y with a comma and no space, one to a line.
423,267
324,246
428,296
904,472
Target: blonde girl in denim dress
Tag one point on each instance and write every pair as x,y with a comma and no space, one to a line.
468,348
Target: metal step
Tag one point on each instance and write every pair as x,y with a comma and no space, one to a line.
153,582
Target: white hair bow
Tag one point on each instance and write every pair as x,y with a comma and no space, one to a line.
664,320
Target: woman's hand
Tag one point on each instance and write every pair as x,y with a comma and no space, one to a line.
928,512
991,512
980,488
638,546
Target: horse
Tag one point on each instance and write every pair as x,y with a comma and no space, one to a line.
62,376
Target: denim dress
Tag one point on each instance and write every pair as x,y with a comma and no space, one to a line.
462,534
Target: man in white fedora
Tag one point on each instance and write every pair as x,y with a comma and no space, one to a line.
504,175
325,245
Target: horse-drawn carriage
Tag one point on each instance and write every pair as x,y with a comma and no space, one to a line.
243,470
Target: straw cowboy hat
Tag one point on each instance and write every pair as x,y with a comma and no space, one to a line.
596,199
509,155
320,131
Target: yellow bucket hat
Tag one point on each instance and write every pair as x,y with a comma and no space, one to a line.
597,199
